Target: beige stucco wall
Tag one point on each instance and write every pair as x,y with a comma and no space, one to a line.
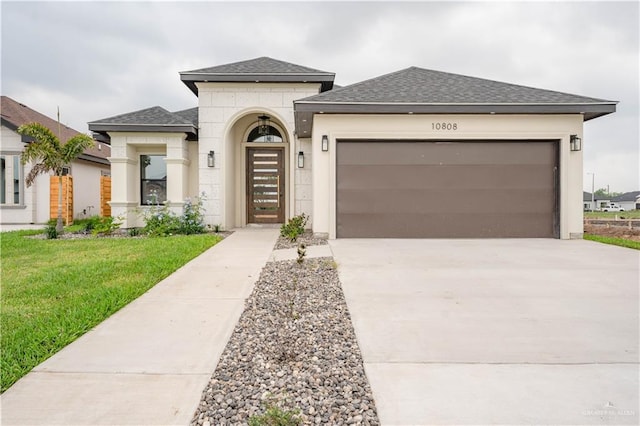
226,112
407,126
126,148
86,188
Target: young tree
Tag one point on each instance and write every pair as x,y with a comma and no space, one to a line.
50,155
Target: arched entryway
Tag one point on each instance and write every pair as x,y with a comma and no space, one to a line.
262,175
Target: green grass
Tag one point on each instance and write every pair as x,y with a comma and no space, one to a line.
614,241
632,214
54,291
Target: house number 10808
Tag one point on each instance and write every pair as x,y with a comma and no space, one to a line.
444,126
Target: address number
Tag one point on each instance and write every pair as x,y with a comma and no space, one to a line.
444,126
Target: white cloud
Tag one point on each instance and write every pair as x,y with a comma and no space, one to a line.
98,59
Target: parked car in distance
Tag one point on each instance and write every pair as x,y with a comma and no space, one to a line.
612,207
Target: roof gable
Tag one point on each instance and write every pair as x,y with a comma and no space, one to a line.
15,114
263,69
421,91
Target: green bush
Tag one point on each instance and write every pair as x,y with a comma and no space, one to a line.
276,416
192,219
105,225
161,221
50,230
294,227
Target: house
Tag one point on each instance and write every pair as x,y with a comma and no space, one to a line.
20,204
628,200
413,153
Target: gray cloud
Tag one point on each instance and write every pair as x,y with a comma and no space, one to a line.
97,59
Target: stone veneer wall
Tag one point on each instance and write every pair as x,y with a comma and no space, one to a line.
221,105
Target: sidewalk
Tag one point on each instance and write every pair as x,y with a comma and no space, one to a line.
148,363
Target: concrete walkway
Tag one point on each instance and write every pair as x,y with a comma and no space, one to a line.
148,363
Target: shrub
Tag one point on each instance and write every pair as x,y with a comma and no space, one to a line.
161,221
192,219
50,230
275,415
294,227
105,225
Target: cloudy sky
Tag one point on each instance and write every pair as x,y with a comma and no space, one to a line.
95,60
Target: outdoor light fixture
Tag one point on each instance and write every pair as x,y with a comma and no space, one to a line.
325,143
263,125
211,159
575,143
301,160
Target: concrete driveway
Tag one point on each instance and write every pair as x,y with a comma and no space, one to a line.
517,331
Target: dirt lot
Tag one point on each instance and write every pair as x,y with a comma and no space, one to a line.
613,231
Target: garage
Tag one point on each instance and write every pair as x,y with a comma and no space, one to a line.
447,189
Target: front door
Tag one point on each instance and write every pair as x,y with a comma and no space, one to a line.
265,185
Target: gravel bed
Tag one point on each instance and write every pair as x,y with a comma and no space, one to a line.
307,238
294,343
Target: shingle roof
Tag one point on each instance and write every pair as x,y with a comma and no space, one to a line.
154,119
418,90
627,196
14,114
262,65
263,69
190,114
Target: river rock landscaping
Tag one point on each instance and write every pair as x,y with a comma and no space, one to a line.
293,348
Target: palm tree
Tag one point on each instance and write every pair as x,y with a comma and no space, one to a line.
49,155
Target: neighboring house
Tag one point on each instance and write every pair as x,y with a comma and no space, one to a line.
628,201
414,153
598,203
588,203
19,204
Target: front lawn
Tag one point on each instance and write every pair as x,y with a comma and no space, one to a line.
622,242
54,291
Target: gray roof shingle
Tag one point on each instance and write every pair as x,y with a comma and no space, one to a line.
627,196
154,119
422,91
262,65
421,86
263,69
190,114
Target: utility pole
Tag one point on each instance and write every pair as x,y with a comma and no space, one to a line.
593,179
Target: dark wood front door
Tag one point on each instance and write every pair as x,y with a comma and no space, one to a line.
265,185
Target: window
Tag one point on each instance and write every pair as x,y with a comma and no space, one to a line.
265,134
153,180
3,180
16,179
10,180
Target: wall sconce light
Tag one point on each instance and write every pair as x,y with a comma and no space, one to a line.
301,160
575,143
325,143
211,159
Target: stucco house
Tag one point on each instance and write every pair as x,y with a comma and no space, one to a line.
628,200
413,153
20,204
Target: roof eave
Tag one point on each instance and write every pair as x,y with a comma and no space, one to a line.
190,78
161,128
305,110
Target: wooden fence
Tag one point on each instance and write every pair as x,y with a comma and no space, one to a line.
67,198
105,195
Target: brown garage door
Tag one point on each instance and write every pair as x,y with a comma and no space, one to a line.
464,189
